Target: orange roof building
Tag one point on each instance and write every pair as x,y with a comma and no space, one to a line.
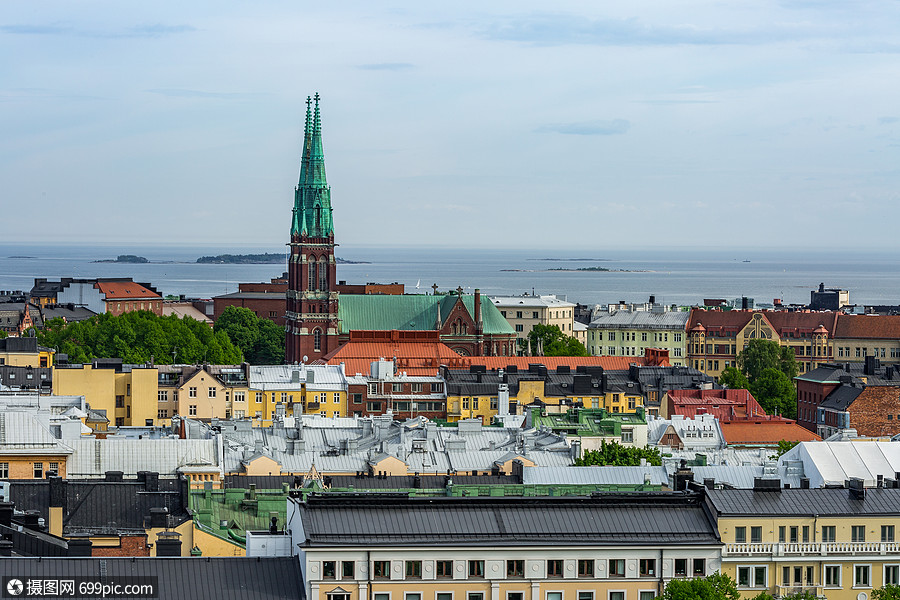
111,295
765,432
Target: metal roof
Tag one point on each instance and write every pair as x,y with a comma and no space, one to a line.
91,458
626,319
413,312
832,463
231,578
658,519
533,301
821,502
607,475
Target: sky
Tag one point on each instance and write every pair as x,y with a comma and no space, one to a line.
507,124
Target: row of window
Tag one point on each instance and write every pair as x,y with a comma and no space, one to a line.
515,568
757,576
862,352
797,534
554,595
52,467
397,388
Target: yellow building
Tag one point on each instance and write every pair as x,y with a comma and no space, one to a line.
836,543
304,389
27,448
128,393
493,548
24,352
480,395
524,312
201,392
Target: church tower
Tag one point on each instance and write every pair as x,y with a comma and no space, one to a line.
312,303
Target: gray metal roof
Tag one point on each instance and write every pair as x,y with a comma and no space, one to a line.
608,475
625,319
92,458
657,519
822,501
232,578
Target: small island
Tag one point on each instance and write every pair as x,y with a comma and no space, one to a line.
603,269
267,258
125,258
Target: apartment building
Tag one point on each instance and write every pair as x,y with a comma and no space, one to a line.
524,312
630,333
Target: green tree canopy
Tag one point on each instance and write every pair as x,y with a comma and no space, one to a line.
775,393
804,595
769,370
760,355
888,592
732,378
714,587
261,340
614,453
138,337
549,340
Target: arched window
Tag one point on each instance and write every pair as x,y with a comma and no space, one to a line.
317,339
323,274
313,278
318,218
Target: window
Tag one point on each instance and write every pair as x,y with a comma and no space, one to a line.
162,414
476,568
337,596
240,396
554,596
329,569
120,421
585,568
518,314
858,533
381,569
494,403
832,576
317,339
700,567
891,575
259,397
357,398
887,533
476,596
515,568
740,535
415,388
647,567
782,531
512,596
444,568
828,533
861,576
38,470
617,596
396,388
162,396
120,401
192,392
192,410
348,569
756,535
520,328
646,595
755,576
443,596
211,392
617,567
680,567
4,470
412,596
795,535
414,569
806,534
585,595
554,568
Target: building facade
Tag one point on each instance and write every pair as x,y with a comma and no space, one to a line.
524,312
630,333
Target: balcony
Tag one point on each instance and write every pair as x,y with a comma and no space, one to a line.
783,591
817,549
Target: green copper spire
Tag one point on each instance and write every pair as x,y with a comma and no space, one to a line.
312,196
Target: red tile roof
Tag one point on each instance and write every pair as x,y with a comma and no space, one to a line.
868,326
767,431
612,363
732,321
124,290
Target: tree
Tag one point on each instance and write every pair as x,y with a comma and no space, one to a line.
784,447
261,340
614,453
760,355
138,337
549,340
888,592
714,587
804,595
775,393
732,378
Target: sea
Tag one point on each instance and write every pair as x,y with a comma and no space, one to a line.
682,276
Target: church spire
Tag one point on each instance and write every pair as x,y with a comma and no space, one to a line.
312,196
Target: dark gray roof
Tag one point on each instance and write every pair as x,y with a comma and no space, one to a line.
17,377
232,578
366,482
821,501
832,372
658,519
841,397
103,506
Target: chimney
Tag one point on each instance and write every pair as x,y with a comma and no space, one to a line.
114,476
80,546
804,483
168,543
857,488
57,504
477,310
159,517
6,513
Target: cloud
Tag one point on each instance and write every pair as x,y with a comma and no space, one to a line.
888,120
387,66
614,127
184,93
143,31
557,29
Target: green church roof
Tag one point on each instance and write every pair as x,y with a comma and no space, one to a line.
413,312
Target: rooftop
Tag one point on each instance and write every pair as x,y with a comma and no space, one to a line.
819,502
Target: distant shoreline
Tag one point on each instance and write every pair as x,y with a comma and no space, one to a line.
261,259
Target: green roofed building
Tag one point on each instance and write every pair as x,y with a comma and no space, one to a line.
470,324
